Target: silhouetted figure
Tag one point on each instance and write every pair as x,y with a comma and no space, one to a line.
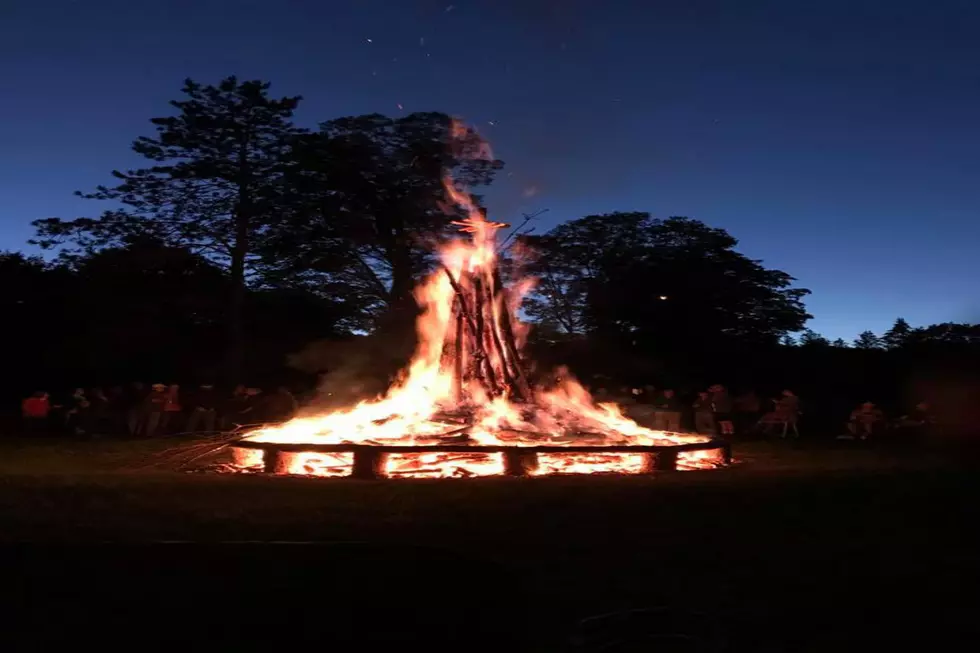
204,411
668,415
117,410
278,406
170,419
784,415
133,406
748,409
624,397
704,416
865,421
152,410
35,411
918,423
99,419
234,408
251,413
77,414
721,404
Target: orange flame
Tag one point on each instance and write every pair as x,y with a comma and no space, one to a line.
417,407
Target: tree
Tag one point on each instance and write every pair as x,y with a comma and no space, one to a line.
868,340
148,308
839,343
214,187
898,335
947,334
370,206
670,284
810,338
34,297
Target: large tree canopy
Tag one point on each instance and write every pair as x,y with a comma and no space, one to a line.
215,186
371,205
674,284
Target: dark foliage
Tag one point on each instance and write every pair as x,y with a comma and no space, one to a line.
146,312
248,238
215,187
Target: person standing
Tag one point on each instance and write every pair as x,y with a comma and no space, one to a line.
171,410
234,407
35,410
132,404
668,415
152,409
204,411
748,410
721,405
704,417
278,406
99,419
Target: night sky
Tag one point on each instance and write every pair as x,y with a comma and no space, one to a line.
838,140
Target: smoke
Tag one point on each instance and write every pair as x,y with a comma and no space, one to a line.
350,370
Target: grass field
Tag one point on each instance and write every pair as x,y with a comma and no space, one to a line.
806,547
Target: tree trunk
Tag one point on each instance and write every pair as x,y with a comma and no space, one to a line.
236,306
397,325
234,360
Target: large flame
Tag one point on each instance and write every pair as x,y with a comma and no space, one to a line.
432,399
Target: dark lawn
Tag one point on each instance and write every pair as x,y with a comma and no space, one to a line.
791,545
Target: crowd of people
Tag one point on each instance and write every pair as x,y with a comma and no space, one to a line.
160,409
715,412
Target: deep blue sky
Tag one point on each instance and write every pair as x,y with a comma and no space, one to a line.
838,140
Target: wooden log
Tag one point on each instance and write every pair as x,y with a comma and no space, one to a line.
485,300
458,353
523,388
726,453
519,463
369,463
276,461
665,461
479,354
462,298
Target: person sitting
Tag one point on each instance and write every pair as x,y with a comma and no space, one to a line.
785,413
865,420
919,421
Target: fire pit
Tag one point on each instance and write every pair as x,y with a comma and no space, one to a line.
366,461
464,405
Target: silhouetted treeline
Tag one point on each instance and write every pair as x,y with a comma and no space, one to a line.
247,237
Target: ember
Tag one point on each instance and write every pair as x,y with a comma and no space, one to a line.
464,406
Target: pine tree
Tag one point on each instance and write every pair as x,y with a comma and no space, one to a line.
868,340
810,338
898,335
213,186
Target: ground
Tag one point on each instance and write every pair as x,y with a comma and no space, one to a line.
800,547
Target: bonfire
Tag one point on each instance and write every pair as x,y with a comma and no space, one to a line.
464,404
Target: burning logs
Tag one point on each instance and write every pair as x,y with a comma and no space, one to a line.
370,462
518,462
484,345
